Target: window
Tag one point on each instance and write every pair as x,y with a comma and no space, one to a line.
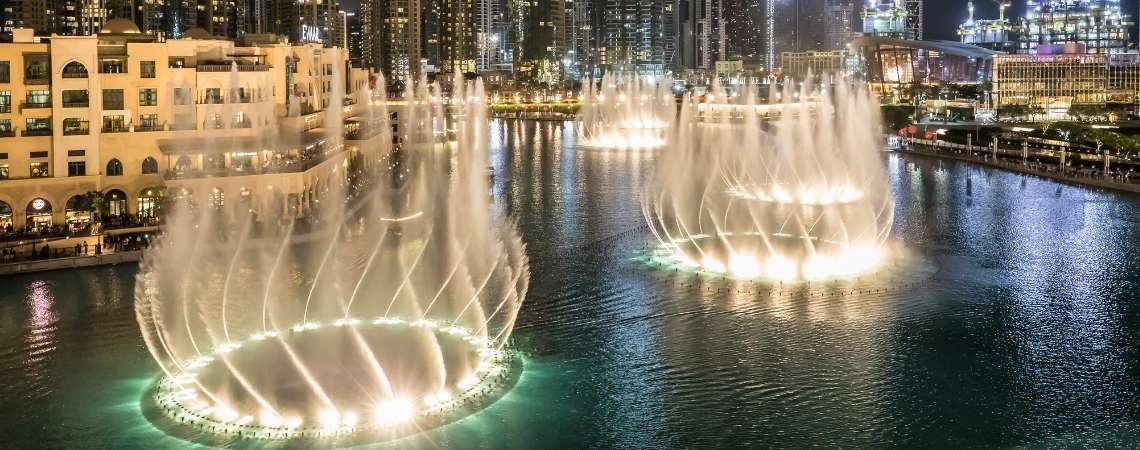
3,171
6,127
112,66
146,69
38,169
177,63
75,126
240,120
75,99
74,70
5,101
76,168
39,154
40,126
114,123
114,168
148,122
213,95
148,97
5,72
38,99
36,69
181,96
149,165
215,122
76,153
112,99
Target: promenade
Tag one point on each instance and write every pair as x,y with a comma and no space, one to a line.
1015,162
38,255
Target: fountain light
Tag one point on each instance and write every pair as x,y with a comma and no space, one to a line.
329,418
394,412
744,266
271,419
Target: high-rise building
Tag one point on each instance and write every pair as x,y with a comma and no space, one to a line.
745,30
887,18
457,36
914,19
355,37
391,43
841,19
541,39
704,34
1100,25
995,34
630,34
795,26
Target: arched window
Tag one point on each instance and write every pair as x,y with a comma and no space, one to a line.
114,168
115,203
149,165
74,69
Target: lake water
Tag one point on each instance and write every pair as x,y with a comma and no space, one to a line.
1013,321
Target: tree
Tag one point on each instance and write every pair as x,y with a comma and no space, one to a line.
1013,111
1085,112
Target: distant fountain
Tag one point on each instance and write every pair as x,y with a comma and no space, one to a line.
803,195
625,113
388,314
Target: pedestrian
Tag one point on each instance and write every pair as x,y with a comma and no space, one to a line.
85,247
98,249
77,248
44,251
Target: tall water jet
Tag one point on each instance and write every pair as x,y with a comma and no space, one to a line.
789,190
384,312
625,113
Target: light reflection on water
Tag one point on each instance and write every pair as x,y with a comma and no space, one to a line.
1020,327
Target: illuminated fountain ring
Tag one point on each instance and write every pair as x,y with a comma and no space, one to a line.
642,135
178,397
715,255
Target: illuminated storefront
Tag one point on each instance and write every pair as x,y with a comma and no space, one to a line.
890,64
38,215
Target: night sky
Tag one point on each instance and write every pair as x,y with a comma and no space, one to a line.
944,16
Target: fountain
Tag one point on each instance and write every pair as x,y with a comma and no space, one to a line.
625,113
386,311
790,190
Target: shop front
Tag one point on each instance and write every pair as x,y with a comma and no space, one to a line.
38,215
78,213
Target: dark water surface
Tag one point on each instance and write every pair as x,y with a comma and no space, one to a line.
1015,323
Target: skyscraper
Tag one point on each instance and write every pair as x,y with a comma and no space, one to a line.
391,42
704,34
1100,25
795,26
630,34
914,18
841,20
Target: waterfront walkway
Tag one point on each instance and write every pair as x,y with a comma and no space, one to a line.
1014,163
37,255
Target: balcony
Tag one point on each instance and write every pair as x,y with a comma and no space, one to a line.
74,75
229,67
39,132
75,104
6,108
149,127
116,129
7,133
33,105
77,132
37,81
243,124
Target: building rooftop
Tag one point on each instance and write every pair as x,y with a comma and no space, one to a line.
947,47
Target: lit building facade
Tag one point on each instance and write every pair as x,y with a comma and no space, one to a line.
801,65
890,64
1100,25
136,120
841,22
1053,83
391,38
995,34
